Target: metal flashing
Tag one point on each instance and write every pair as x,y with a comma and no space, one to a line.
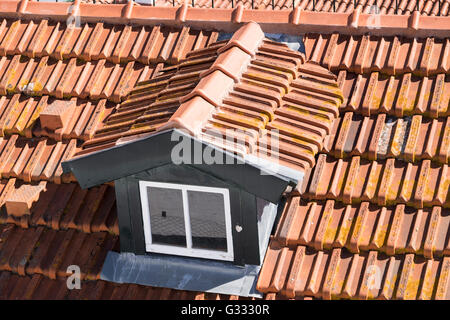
294,42
181,273
269,167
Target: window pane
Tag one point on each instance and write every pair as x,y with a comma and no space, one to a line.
166,216
207,214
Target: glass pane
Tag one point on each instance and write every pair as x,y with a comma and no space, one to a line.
166,216
207,214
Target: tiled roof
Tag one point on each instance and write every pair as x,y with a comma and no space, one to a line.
375,197
375,206
408,138
385,182
57,86
393,230
274,91
405,7
337,273
98,41
39,287
35,159
389,55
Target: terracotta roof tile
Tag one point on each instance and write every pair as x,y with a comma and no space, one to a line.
70,78
65,206
35,159
150,104
388,55
18,203
324,225
378,137
384,182
376,201
56,115
341,274
20,114
86,117
407,94
96,41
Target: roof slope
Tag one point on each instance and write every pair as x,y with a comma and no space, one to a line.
92,67
372,221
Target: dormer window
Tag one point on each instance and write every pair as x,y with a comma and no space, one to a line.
186,220
191,211
208,183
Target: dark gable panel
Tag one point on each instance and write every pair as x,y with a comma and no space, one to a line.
237,220
135,209
155,151
249,178
172,173
250,231
120,161
123,214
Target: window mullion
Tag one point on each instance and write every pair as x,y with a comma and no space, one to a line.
187,219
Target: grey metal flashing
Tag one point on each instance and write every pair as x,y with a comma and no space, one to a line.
294,42
294,176
267,214
181,273
156,150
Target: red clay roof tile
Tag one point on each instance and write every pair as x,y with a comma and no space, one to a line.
96,41
396,95
341,274
367,204
57,114
357,22
35,159
384,182
358,210
388,55
329,224
69,78
410,138
65,206
18,203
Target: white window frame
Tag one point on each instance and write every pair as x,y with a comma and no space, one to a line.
188,251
